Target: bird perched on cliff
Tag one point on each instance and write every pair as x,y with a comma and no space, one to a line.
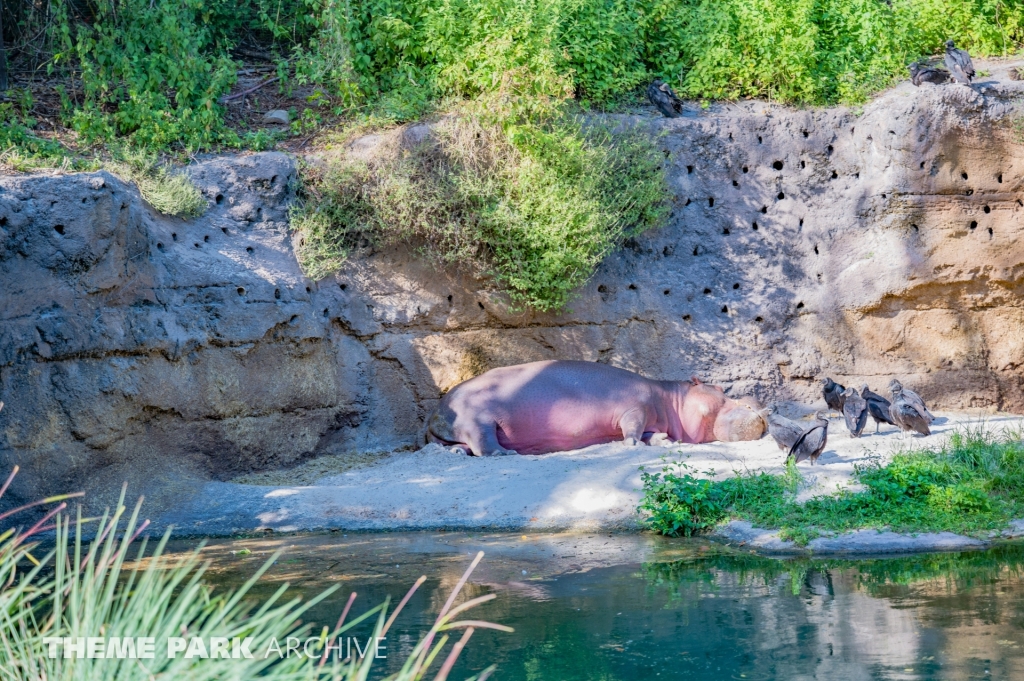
812,441
878,407
913,398
906,415
855,411
925,74
959,64
784,431
662,96
833,393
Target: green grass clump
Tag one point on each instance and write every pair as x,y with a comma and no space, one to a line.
973,484
170,193
80,589
537,206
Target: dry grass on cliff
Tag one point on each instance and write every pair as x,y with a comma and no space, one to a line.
536,207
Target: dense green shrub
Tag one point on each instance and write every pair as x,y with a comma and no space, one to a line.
536,206
974,483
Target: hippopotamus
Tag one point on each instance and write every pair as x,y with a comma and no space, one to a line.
554,406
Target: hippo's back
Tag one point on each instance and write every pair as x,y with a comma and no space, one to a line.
547,406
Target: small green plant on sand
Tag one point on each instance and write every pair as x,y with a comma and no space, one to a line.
79,590
535,205
973,484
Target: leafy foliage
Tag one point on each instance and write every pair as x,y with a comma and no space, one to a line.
974,484
537,206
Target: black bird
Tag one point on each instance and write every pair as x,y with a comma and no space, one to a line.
833,394
906,415
812,441
959,64
878,407
784,431
855,411
924,74
913,398
662,96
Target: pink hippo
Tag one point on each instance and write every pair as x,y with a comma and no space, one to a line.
553,406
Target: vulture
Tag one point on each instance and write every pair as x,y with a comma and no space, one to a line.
924,74
959,64
833,394
913,398
784,431
878,407
855,411
812,441
906,415
662,96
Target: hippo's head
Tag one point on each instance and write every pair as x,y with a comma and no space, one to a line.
740,420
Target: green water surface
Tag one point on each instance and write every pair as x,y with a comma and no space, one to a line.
603,607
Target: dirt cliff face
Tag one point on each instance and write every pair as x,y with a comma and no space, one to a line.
801,244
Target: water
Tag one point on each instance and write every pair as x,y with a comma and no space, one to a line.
602,607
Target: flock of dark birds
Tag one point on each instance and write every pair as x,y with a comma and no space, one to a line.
907,411
961,70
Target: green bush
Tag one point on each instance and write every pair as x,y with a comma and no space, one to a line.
973,484
535,206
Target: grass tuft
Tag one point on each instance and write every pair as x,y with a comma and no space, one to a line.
170,193
534,205
973,484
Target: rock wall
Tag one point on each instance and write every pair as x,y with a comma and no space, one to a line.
861,245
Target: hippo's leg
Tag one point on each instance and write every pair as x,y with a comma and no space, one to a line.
483,440
632,424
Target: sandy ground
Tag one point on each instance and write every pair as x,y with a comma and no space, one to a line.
596,488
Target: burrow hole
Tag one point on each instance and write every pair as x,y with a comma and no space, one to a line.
801,222
987,209
725,231
707,291
668,250
800,305
764,209
963,175
174,236
999,178
345,286
990,231
759,140
781,196
725,309
735,183
225,230
667,291
711,202
687,202
753,226
829,150
758,319
689,170
816,249
59,229
974,224
922,165
309,290
777,165
159,246
206,239
735,286
915,228
241,291
249,250
480,305
696,250
803,164
745,169
219,199
834,174
197,245
327,312
805,133
600,289
277,294
687,317
632,287
449,299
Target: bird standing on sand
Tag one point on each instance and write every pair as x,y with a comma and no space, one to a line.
924,74
913,398
906,415
784,431
878,407
662,96
959,64
855,411
833,393
812,442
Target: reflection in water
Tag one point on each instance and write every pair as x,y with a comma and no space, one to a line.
588,608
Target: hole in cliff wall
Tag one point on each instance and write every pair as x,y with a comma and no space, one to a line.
249,250
987,209
225,230
687,317
781,196
277,294
759,140
479,304
745,169
707,291
667,291
696,250
59,229
915,228
687,202
777,165
999,178
969,192
328,314
753,226
801,222
816,249
819,277
735,183
206,239
800,305
883,197
758,319
990,231
834,174
829,149
764,209
241,291
803,164
725,309
963,175
1020,203
219,199
735,286
725,230
689,170
922,165
159,246
174,236
3,221
711,202
197,245
632,287
600,289
857,175
668,251
805,133
974,224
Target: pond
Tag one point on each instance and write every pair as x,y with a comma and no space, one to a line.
606,607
